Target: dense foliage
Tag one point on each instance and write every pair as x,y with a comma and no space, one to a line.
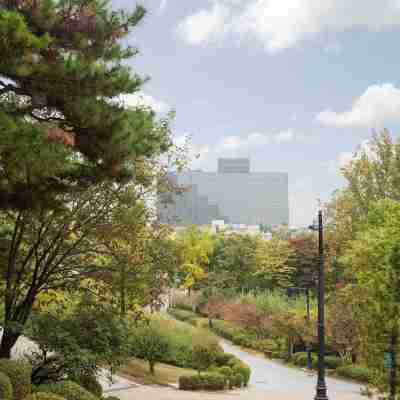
19,374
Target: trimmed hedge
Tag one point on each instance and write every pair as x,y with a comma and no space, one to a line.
333,362
242,369
67,389
208,381
6,390
356,372
224,359
90,383
20,376
44,396
184,315
300,359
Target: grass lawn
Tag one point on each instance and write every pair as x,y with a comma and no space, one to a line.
164,374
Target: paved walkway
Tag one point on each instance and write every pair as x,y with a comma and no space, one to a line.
270,380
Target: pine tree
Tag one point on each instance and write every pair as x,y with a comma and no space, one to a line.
62,71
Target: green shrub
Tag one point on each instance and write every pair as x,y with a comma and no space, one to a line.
235,380
207,381
333,362
183,315
182,338
20,377
243,369
223,359
67,389
6,391
356,372
301,358
43,396
91,384
213,381
192,382
225,371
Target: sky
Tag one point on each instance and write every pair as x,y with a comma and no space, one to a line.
296,85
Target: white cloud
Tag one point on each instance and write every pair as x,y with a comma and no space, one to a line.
280,24
163,5
377,106
141,99
342,160
207,25
205,156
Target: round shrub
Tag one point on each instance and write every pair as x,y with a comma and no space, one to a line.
225,371
301,358
20,376
69,390
333,362
240,339
213,381
6,391
235,380
222,359
356,372
44,396
90,383
203,356
242,369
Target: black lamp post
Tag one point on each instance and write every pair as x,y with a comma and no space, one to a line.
321,385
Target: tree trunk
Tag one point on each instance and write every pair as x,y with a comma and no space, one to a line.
151,367
8,340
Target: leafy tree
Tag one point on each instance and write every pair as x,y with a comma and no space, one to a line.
273,267
373,263
150,344
77,344
373,174
304,260
343,329
50,249
203,356
196,247
62,119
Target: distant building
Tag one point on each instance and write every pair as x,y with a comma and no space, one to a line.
233,194
233,165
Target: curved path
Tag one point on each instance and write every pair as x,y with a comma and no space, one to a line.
269,381
271,377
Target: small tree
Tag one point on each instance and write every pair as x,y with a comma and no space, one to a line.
150,344
203,356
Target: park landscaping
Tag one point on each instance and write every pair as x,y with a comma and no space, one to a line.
274,346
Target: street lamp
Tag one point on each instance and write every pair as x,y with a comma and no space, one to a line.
321,385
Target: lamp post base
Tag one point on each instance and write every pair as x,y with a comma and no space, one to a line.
321,392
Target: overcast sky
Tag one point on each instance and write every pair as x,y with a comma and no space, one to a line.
296,85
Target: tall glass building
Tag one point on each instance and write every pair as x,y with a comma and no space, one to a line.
233,194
